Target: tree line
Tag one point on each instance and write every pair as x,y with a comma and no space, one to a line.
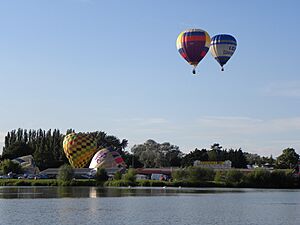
47,149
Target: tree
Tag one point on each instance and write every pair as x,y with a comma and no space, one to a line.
239,159
288,159
215,153
101,175
130,175
153,154
131,161
190,158
17,149
10,166
65,173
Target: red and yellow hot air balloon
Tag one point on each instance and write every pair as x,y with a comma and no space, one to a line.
193,44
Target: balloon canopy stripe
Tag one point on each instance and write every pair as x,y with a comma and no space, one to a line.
193,45
223,42
194,38
224,37
107,158
222,59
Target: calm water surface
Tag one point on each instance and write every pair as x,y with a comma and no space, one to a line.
136,206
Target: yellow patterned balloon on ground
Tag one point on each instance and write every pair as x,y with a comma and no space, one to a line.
79,148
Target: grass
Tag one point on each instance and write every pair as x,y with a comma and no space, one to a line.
45,182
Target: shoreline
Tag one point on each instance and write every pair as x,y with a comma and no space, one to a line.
139,183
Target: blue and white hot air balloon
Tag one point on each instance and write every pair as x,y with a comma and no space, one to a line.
222,47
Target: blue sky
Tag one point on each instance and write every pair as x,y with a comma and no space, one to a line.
113,66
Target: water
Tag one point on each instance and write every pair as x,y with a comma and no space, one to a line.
136,206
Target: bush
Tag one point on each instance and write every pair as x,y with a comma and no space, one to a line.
101,175
65,174
234,177
152,183
258,178
10,166
197,174
118,175
119,183
130,175
282,179
219,177
179,175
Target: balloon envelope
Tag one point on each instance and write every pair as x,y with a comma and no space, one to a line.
193,45
107,158
222,48
79,148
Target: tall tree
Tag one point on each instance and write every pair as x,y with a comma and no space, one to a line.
153,154
190,158
288,159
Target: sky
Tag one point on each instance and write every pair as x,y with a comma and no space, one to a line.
113,66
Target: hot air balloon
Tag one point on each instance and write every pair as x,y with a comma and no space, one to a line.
193,44
79,148
107,158
222,47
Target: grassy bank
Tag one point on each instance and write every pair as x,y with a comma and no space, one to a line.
45,182
111,183
156,183
141,183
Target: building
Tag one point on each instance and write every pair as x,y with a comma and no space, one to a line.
213,164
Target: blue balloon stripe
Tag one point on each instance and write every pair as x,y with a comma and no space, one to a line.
222,59
222,37
220,43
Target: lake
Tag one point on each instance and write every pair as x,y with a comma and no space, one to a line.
136,206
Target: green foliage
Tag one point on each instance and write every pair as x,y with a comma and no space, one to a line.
104,140
17,149
65,174
258,178
219,177
101,175
282,178
46,147
10,166
119,183
131,160
152,183
216,153
288,159
234,177
118,175
180,174
153,154
130,175
197,174
188,159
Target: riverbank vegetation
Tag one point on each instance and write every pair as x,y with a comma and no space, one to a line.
189,177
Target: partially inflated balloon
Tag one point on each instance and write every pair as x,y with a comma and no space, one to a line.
193,44
79,148
107,158
222,48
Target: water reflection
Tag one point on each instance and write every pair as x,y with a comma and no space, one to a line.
95,192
